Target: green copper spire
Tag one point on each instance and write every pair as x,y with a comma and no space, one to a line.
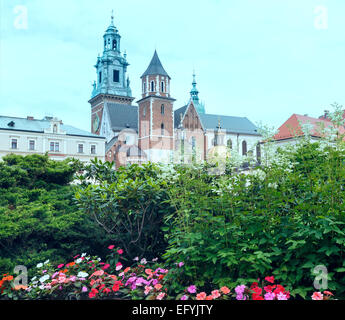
194,94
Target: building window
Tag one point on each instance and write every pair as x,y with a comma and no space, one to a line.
54,146
162,129
93,149
144,87
244,148
55,128
258,153
193,149
32,145
80,148
100,77
152,86
229,144
14,144
116,75
144,112
162,109
162,86
114,44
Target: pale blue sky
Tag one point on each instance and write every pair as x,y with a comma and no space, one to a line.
260,59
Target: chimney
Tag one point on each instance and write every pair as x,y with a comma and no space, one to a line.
30,118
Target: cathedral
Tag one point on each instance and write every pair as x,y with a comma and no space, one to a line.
153,129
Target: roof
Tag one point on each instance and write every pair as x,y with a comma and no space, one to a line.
177,115
35,125
231,124
122,116
155,67
292,127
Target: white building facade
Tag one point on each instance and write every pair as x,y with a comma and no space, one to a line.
25,136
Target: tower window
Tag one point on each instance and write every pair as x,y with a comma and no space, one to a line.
162,109
144,87
116,75
162,129
114,45
100,77
162,86
244,148
144,112
55,128
152,86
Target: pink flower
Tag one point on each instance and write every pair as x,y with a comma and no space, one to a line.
111,247
192,289
60,266
201,296
184,297
317,296
147,290
118,266
215,294
160,296
106,266
225,290
120,251
282,296
180,264
84,289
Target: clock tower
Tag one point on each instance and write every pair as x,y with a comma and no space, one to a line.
112,84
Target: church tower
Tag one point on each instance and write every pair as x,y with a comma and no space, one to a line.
112,85
156,117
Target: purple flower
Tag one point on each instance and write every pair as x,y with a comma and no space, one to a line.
180,264
241,297
240,289
269,296
192,289
184,297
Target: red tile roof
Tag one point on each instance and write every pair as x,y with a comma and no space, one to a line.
292,127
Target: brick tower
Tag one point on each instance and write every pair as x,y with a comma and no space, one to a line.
156,117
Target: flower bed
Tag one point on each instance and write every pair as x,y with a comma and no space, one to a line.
88,277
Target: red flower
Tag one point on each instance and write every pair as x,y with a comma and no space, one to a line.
120,251
270,279
111,247
116,286
93,293
269,288
257,297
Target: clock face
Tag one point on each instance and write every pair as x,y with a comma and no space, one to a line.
95,123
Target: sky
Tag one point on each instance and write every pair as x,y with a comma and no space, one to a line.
263,60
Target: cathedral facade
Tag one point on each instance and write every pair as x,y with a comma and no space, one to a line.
153,129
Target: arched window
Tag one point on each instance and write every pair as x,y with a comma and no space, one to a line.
229,144
187,121
162,86
55,128
244,148
114,45
258,153
152,86
162,129
162,109
144,87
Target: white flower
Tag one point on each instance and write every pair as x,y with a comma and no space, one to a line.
83,254
79,260
40,265
143,261
44,278
45,262
34,278
82,274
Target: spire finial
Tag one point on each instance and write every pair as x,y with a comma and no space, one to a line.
112,17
